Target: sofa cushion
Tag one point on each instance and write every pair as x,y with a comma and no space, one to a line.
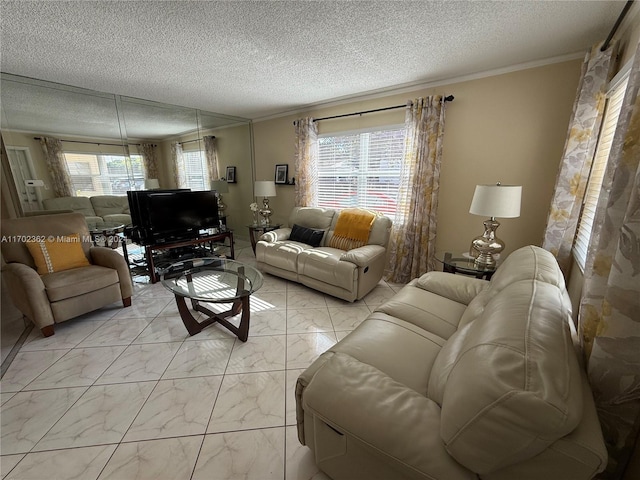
310,236
324,264
109,205
77,204
312,217
400,349
79,281
382,429
426,310
509,381
122,218
282,254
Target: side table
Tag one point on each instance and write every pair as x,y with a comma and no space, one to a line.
261,229
463,265
113,235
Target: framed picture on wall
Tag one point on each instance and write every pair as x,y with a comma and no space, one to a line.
282,173
231,174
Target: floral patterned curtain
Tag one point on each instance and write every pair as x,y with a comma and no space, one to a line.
609,316
211,154
306,163
179,171
60,179
149,153
412,242
578,154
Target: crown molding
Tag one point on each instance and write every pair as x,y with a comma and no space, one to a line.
413,86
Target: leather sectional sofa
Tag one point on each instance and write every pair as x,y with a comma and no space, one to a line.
349,275
458,378
97,210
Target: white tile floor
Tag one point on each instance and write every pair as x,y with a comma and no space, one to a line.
127,394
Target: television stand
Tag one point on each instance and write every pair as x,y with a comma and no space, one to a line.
207,238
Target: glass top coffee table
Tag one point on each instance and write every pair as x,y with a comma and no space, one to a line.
213,280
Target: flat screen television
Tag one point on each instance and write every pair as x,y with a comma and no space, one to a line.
159,216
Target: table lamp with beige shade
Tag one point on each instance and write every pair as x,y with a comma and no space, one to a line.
265,189
493,201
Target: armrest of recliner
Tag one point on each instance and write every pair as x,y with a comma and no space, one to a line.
28,293
276,235
363,256
358,400
458,288
107,257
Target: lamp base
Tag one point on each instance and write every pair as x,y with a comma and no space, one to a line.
265,211
487,245
221,206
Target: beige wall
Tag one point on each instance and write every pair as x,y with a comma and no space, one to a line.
509,128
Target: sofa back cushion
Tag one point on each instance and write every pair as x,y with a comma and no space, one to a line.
109,205
526,263
312,217
508,381
77,204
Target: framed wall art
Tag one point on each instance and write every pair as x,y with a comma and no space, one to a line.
282,173
231,174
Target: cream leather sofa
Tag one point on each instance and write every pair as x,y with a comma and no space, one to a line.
349,275
457,378
97,210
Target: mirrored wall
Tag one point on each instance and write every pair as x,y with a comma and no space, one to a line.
101,134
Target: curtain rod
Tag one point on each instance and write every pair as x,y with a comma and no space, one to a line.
196,140
626,8
96,143
446,99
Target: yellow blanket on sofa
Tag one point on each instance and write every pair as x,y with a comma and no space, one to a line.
352,228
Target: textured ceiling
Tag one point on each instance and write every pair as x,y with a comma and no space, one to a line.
259,58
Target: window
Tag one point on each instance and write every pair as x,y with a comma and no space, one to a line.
615,97
196,172
98,174
361,169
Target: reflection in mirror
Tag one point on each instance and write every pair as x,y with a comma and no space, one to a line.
112,143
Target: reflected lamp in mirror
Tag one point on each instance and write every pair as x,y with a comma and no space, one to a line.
265,189
151,184
493,201
220,187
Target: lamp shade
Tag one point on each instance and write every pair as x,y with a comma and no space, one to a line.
220,186
265,188
501,201
151,184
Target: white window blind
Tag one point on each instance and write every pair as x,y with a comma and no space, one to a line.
361,169
196,171
594,185
97,174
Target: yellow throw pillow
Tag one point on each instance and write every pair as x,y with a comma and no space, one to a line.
58,253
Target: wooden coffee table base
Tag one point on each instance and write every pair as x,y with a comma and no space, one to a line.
193,326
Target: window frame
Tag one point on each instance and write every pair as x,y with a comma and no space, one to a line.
135,180
363,188
204,173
